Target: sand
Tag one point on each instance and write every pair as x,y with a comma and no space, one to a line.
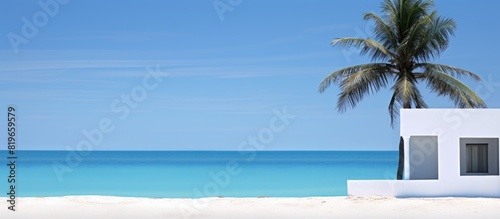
76,207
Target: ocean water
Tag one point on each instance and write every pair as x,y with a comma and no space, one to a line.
194,174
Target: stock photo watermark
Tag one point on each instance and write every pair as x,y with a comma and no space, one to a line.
32,24
222,7
360,33
487,87
121,107
456,117
249,147
11,156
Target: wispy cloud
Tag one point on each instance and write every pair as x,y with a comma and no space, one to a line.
121,36
30,70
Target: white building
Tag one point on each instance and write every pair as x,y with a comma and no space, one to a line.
448,152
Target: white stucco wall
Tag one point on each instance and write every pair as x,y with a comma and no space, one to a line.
449,125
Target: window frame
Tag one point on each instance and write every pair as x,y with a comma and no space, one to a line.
492,155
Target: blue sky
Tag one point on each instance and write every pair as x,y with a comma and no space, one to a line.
220,75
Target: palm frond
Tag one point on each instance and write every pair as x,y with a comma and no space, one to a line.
417,35
450,70
405,95
344,73
435,38
394,106
446,85
406,88
368,46
383,31
364,82
418,100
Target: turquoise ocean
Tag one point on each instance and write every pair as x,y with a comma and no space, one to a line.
193,174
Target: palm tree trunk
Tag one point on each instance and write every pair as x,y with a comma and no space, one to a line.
401,158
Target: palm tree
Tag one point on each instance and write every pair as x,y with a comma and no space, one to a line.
406,37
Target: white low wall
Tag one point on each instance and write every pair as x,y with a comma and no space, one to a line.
483,186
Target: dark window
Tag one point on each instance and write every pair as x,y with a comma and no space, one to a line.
477,158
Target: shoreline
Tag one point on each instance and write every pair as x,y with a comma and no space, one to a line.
310,207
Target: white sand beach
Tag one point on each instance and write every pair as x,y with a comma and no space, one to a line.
317,207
